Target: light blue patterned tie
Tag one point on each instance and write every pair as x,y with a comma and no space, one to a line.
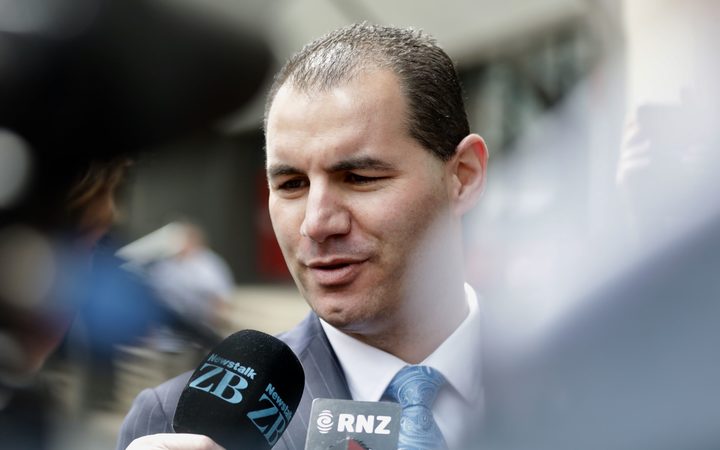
415,388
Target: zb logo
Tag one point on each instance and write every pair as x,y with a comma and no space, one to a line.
274,416
227,388
268,420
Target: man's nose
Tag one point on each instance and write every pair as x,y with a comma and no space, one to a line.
325,214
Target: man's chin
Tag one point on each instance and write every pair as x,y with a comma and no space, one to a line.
337,319
349,310
349,322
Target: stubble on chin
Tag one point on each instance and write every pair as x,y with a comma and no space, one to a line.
366,317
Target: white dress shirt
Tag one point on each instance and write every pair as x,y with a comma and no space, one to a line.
369,370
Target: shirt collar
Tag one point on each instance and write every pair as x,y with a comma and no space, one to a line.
369,370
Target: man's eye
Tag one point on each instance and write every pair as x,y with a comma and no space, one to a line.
294,184
359,179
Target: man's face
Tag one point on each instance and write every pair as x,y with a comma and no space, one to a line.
351,198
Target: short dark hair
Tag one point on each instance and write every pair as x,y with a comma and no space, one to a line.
436,112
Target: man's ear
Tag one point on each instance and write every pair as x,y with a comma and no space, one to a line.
467,172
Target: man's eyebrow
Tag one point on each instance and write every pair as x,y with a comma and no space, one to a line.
279,170
361,163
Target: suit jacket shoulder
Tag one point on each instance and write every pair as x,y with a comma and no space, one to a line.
153,410
324,377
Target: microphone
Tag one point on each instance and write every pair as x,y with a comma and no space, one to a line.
243,394
351,425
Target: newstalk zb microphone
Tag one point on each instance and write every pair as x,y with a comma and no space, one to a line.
244,393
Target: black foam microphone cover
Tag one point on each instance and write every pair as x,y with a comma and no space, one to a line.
244,393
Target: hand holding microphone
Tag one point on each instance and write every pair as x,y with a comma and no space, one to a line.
242,396
177,441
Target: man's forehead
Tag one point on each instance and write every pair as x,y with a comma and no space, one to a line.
375,83
297,142
364,118
342,148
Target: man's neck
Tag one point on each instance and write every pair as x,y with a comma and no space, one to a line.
422,328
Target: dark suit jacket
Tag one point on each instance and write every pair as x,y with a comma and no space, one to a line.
153,410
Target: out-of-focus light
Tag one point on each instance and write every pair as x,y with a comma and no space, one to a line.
57,18
27,268
12,355
161,243
14,167
23,16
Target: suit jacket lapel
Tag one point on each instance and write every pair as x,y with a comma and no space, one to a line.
324,377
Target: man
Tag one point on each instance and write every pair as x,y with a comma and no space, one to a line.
371,167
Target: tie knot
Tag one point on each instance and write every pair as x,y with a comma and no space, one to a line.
415,386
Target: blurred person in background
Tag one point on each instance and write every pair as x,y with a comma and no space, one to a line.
84,86
624,356
670,141
34,320
371,166
197,285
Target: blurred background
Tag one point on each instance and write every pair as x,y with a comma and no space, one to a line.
600,119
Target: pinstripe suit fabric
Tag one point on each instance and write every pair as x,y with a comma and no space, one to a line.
153,410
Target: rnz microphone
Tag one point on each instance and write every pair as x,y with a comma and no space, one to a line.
351,425
244,393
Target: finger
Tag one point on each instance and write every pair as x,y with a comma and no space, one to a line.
172,441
